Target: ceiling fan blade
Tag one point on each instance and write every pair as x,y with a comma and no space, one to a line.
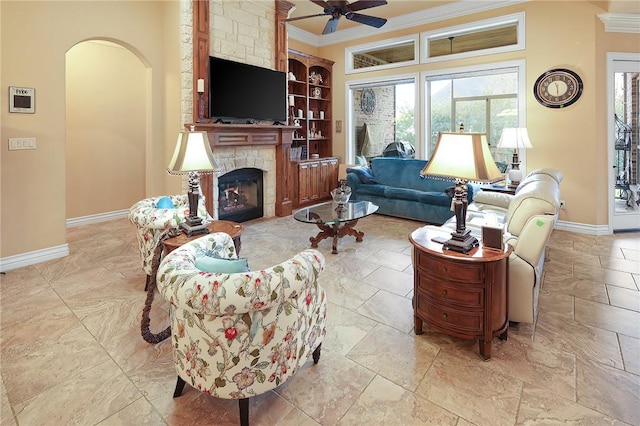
373,21
304,17
323,4
331,26
365,4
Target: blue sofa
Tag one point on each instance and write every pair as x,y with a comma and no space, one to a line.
395,185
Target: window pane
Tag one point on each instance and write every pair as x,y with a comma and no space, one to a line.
388,115
484,103
402,52
473,114
441,107
472,41
496,84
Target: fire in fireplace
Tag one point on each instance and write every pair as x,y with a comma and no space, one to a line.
240,195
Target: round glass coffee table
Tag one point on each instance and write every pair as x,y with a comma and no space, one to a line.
335,222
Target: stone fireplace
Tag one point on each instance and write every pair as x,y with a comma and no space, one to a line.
241,146
240,195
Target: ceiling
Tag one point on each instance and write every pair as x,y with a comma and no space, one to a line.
398,8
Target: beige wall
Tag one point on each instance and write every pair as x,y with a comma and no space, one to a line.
35,37
574,139
105,140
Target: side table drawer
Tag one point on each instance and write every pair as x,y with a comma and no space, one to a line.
462,324
448,270
468,295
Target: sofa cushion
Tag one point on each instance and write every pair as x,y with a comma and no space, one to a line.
405,173
363,173
376,190
401,193
434,198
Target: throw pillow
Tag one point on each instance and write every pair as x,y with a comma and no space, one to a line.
363,173
165,203
221,265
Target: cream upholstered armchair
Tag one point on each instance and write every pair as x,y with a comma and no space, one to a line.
528,218
238,335
154,223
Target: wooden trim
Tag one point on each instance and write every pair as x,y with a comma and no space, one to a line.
282,12
201,32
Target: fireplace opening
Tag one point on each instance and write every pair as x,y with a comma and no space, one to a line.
240,195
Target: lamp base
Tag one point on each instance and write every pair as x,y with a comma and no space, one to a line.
461,242
194,226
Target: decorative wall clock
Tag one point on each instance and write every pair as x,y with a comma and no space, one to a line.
368,101
558,88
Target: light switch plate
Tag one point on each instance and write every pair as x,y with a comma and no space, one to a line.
22,143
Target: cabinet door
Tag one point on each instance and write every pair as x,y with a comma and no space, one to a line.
328,176
304,183
314,180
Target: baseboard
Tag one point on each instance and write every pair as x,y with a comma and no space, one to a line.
33,257
582,228
96,218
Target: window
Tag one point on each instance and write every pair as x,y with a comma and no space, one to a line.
497,35
382,55
380,112
484,101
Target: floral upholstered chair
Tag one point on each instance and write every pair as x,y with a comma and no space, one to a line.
240,334
156,222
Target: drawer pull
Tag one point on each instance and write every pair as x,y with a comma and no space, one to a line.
444,293
444,315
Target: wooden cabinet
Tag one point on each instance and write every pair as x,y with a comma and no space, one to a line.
316,179
309,102
464,295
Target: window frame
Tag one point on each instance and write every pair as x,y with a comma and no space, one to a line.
487,24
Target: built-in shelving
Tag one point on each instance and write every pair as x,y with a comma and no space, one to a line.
309,89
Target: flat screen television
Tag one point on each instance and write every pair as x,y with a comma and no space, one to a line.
247,93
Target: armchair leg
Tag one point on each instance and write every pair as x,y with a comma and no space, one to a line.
316,354
244,411
179,387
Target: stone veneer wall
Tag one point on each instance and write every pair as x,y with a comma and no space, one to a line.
242,31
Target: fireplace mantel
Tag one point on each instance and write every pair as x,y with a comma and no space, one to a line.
248,135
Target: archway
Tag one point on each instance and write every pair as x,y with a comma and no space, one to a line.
106,125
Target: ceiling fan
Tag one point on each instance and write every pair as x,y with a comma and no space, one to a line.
339,8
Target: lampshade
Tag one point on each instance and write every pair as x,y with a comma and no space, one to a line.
464,156
515,138
192,154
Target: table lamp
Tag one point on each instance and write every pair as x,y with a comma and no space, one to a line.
464,157
515,138
193,156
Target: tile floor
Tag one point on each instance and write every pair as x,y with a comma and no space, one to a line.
71,351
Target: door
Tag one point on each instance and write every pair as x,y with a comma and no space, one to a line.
623,107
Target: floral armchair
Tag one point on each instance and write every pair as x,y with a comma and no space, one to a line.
154,224
238,335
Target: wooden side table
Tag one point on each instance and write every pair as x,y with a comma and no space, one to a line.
234,230
500,187
462,295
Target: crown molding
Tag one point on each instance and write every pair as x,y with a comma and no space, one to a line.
440,13
621,22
